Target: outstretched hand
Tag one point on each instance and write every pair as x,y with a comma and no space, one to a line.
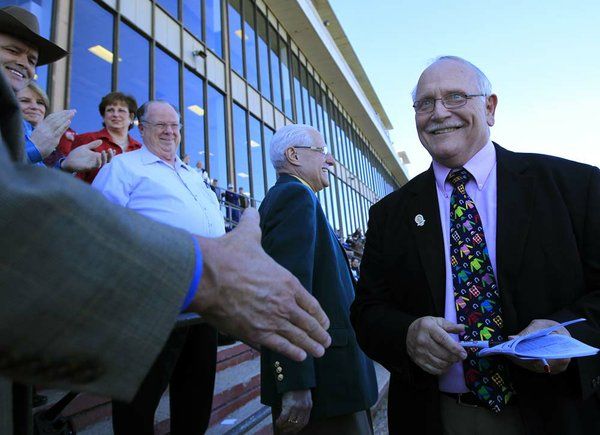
245,293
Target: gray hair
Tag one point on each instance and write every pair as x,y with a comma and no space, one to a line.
287,137
143,109
485,86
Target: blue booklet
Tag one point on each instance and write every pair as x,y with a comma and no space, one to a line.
543,344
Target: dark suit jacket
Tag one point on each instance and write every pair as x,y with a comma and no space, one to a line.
297,235
548,257
89,291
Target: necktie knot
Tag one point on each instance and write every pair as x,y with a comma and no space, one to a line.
459,178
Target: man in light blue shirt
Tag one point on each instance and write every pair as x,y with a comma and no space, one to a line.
155,182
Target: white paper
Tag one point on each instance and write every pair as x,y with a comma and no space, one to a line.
543,344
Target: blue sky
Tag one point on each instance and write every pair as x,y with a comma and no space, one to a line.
542,57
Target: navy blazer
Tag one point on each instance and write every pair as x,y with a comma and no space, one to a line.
548,267
297,235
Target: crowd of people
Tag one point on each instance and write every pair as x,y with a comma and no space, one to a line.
485,244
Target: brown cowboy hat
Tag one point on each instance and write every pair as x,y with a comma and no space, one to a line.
22,24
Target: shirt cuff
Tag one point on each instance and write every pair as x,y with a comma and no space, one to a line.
196,278
33,154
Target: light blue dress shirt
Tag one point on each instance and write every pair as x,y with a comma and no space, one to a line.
174,195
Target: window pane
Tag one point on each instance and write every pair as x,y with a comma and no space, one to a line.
192,17
313,107
170,6
256,149
240,143
263,54
305,105
166,78
194,118
217,141
271,174
275,76
334,193
285,78
250,39
297,89
92,58
235,36
213,26
134,64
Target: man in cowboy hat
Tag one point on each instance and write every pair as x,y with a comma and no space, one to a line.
22,48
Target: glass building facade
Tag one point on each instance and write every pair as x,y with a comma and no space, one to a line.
235,74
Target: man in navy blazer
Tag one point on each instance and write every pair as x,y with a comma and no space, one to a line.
541,219
332,394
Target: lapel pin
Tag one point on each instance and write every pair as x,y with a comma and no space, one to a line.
419,220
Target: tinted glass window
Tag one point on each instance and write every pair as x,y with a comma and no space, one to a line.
285,78
217,142
275,75
256,150
134,64
271,174
240,143
335,222
194,118
171,6
235,36
263,54
91,67
166,78
313,107
297,89
305,104
213,26
250,40
192,17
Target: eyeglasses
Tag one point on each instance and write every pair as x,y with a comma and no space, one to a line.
322,150
163,126
450,101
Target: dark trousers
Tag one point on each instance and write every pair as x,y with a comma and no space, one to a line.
187,364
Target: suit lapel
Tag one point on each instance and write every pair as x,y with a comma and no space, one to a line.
428,236
516,195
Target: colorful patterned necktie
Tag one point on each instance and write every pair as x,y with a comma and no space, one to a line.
476,296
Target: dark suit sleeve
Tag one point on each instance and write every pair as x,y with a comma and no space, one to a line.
289,236
88,291
588,305
381,326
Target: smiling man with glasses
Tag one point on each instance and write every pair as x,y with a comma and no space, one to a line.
335,394
155,182
485,244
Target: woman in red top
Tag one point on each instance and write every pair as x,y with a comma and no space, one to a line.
118,111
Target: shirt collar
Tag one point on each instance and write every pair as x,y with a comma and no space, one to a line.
479,166
302,181
149,158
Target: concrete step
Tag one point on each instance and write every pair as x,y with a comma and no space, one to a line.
236,404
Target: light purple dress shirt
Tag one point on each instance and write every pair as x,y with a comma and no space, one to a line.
482,189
